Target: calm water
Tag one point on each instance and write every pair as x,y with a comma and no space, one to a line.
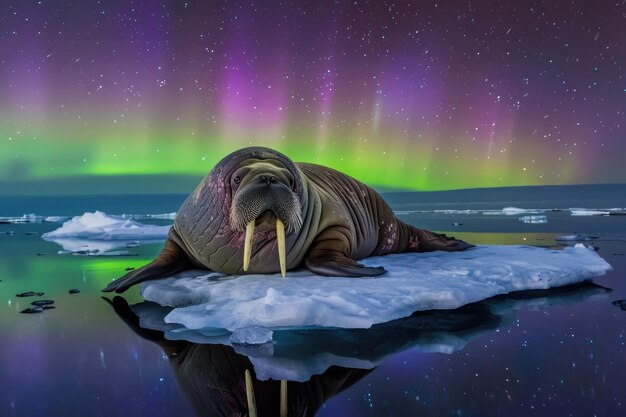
551,353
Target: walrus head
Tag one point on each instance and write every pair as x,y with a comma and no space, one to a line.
264,196
247,214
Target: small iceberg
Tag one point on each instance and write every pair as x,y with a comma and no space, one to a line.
57,219
251,336
414,282
98,234
100,226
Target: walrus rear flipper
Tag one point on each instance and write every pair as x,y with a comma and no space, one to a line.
171,260
431,241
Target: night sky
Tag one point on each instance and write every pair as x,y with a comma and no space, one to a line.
425,96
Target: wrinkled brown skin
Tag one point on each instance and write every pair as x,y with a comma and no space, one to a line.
343,221
212,377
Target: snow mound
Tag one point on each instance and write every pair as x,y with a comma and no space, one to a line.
100,226
414,281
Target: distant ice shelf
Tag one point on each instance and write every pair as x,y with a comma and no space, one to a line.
25,218
159,216
516,211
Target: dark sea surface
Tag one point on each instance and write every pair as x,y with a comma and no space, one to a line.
559,352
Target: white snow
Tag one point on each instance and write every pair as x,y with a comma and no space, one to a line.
435,280
100,226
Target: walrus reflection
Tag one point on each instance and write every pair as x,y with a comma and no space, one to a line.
212,377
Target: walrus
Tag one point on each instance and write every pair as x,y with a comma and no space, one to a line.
259,212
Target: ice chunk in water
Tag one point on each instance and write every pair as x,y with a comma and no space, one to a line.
251,336
100,226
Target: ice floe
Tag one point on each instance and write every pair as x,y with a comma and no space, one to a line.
160,216
534,219
88,247
414,282
578,237
100,226
25,218
99,234
514,211
57,219
597,212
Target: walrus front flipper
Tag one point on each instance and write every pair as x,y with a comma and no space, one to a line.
171,260
335,264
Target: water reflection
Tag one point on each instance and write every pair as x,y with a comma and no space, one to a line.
320,363
213,377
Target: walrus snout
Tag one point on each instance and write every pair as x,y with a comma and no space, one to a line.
266,194
266,197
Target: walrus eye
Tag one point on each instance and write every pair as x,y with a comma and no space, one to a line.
237,179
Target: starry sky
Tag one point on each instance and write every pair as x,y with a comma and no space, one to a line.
418,95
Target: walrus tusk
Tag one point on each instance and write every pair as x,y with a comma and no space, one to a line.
280,238
247,248
283,398
250,394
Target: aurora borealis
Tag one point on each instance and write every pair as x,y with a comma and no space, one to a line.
424,96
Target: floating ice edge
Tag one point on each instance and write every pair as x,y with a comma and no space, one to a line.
414,282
